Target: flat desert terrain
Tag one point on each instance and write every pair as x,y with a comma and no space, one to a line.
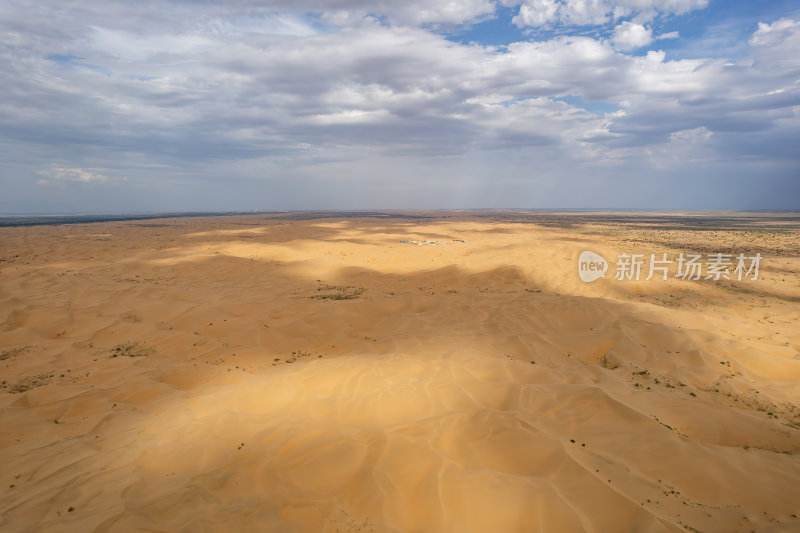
315,373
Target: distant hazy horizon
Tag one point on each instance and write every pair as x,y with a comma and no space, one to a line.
14,219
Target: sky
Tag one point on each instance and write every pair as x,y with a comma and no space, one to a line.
178,105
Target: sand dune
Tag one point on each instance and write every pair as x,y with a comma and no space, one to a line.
261,373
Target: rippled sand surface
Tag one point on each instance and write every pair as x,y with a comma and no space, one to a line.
273,373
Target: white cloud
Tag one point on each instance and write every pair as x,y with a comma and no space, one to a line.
536,13
440,11
584,12
775,33
594,12
130,46
668,35
692,136
775,46
80,175
629,36
351,116
413,12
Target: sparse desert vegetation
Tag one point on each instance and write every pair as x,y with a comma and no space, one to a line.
132,349
13,352
337,292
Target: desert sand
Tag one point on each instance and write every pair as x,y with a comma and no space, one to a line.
290,373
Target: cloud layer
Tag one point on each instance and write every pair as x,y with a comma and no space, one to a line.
594,12
372,104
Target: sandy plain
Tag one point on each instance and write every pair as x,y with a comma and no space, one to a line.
313,373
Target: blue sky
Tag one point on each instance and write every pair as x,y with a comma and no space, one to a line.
717,29
121,107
